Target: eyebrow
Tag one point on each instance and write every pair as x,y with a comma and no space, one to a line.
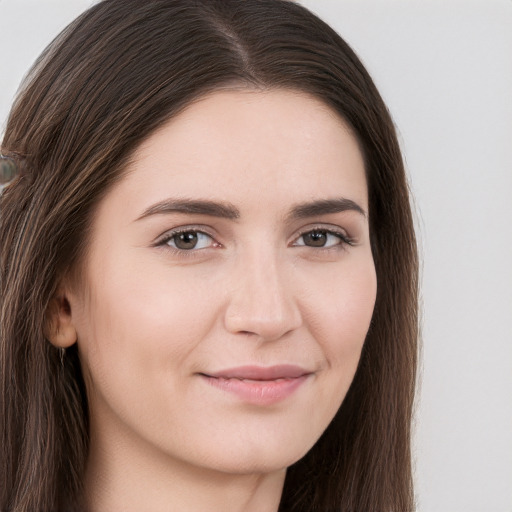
197,206
325,207
231,212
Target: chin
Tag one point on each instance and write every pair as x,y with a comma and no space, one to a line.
257,455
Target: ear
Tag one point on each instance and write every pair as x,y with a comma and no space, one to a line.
59,328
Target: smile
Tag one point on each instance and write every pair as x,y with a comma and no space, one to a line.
258,385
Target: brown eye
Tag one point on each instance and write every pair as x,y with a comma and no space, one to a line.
315,238
188,240
322,238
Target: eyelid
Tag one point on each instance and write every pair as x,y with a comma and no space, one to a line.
344,237
162,240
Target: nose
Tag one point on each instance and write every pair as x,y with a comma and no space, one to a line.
261,302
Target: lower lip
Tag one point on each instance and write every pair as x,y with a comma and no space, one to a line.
258,392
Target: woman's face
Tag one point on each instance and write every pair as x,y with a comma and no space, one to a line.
229,284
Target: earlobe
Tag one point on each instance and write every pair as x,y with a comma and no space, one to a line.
59,328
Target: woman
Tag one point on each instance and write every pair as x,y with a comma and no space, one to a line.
208,269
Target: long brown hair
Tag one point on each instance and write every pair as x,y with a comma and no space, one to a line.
117,73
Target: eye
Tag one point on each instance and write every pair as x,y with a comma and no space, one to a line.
322,238
188,240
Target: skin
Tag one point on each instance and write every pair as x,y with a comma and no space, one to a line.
153,318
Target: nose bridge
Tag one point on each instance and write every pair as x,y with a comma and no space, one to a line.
261,299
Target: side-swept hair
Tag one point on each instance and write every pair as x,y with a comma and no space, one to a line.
116,74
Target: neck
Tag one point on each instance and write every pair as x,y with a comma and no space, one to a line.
133,476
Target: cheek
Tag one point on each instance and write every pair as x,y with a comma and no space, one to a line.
340,302
339,316
135,319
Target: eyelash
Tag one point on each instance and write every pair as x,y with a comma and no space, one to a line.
165,239
343,237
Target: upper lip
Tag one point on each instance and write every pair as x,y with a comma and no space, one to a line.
282,371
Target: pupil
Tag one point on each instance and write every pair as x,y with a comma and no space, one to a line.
186,240
315,239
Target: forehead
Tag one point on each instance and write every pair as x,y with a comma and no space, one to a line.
261,147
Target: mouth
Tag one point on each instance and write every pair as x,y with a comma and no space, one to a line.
259,385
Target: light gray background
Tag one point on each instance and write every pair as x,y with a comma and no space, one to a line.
445,71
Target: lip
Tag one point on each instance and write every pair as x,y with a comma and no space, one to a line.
259,385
